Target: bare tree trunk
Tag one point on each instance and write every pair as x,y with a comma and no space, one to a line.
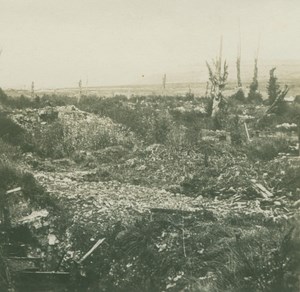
298,136
215,105
238,62
80,91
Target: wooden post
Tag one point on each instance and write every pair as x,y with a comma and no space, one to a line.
298,135
247,132
207,88
238,61
80,90
164,81
32,90
220,57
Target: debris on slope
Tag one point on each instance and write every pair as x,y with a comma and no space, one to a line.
105,203
66,129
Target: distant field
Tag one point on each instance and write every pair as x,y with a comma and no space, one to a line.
171,89
288,72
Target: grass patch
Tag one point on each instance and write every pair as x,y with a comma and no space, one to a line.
193,253
12,176
266,149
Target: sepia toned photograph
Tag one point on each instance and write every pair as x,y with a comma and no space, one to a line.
149,146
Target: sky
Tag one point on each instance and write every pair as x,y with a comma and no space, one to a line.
55,43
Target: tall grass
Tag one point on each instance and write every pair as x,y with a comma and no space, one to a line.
253,254
265,150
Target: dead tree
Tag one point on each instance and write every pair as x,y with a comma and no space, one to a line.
278,100
207,89
164,81
254,95
218,75
298,126
273,87
254,84
80,91
32,90
238,63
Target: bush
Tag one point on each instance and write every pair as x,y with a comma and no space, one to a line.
12,133
9,152
254,97
235,130
19,102
49,141
269,121
266,149
11,177
290,180
239,96
3,96
160,126
154,255
9,130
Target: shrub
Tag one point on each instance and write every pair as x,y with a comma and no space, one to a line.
56,100
193,134
19,102
235,130
239,95
49,141
9,152
196,253
3,96
161,127
12,133
290,180
11,176
9,130
262,149
269,121
254,97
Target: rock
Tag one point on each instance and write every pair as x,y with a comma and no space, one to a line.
297,204
142,167
52,239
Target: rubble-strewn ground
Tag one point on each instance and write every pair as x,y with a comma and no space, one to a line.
181,207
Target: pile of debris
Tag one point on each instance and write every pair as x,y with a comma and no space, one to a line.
70,129
103,204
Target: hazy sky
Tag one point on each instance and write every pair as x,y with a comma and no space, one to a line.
57,42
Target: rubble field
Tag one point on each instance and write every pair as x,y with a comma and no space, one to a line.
91,205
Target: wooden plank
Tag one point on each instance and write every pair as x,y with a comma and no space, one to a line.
247,132
91,250
25,258
172,211
14,190
259,188
45,273
264,190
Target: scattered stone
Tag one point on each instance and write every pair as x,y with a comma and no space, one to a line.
52,239
297,204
